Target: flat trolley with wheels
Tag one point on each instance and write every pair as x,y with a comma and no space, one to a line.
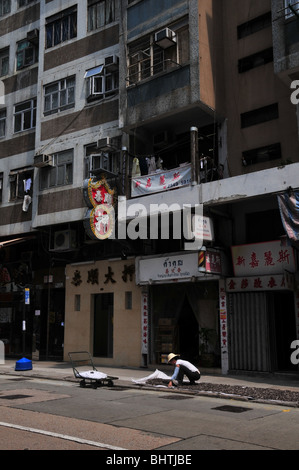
85,371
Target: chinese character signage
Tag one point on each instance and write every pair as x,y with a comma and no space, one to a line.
144,323
99,219
267,258
161,181
223,326
178,267
209,261
260,283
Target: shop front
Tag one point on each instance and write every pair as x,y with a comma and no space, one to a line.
103,312
262,317
181,314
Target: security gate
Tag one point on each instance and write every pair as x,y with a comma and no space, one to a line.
249,337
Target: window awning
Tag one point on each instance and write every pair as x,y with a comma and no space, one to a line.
14,241
95,71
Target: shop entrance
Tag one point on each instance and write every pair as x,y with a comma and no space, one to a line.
283,325
103,325
48,327
188,333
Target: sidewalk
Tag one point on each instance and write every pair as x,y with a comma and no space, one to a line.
63,371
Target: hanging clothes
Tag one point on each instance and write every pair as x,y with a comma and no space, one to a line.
136,168
151,165
143,166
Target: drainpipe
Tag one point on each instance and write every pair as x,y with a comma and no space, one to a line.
126,175
194,155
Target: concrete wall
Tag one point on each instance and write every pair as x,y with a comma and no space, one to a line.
126,322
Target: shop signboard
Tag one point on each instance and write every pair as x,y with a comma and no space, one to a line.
173,268
144,321
161,181
266,258
260,283
99,218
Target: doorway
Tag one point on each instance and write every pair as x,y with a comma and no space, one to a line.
283,325
49,327
103,325
188,333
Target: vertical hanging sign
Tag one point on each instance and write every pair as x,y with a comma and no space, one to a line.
223,326
27,296
144,323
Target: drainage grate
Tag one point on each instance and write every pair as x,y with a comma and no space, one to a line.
232,409
18,380
176,397
15,397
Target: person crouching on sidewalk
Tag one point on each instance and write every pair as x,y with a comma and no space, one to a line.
182,368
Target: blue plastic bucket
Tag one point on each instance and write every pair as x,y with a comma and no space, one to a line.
23,364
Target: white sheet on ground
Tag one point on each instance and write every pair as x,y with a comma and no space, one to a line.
155,375
92,374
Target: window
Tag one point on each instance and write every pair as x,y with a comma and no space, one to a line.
262,154
20,183
100,13
4,61
2,122
60,173
25,115
146,59
255,25
27,54
291,6
4,7
259,116
61,27
77,302
102,81
128,300
23,3
97,162
59,96
256,60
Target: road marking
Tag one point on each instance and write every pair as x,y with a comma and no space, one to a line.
61,436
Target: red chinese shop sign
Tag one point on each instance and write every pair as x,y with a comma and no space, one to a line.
99,219
262,259
262,267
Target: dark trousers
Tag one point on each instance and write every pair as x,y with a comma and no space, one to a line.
192,376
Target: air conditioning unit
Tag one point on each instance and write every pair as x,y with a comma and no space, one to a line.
65,240
109,144
111,63
165,38
43,160
105,144
33,36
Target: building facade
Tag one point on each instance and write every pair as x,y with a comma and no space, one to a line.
122,122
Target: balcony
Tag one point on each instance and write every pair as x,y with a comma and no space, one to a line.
285,27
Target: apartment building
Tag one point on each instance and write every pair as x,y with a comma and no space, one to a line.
120,122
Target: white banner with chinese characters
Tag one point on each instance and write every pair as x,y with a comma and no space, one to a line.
161,181
223,327
263,259
144,323
260,283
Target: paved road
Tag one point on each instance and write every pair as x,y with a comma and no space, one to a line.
51,414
